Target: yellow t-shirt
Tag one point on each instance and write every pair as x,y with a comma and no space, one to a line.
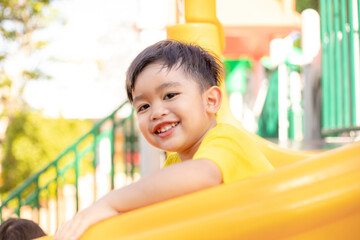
232,150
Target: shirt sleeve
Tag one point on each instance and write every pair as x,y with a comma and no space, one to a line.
235,154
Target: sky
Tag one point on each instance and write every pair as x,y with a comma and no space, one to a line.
89,54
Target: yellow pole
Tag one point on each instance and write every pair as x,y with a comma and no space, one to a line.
203,27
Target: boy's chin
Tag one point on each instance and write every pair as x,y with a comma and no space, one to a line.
169,146
169,149
162,148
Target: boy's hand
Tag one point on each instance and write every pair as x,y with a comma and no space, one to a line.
74,228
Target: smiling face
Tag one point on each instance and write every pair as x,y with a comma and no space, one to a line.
173,113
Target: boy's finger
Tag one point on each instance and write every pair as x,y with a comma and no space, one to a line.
66,231
75,228
76,231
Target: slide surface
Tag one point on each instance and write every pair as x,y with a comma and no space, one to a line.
317,198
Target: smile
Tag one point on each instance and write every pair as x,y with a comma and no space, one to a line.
166,128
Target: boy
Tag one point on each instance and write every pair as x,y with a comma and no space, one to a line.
174,89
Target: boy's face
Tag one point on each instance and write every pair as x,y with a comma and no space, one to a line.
173,113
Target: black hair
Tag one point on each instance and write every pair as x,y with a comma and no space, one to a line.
199,63
20,229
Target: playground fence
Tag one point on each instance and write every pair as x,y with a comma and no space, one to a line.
107,149
340,66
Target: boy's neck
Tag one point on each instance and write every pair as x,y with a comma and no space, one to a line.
189,154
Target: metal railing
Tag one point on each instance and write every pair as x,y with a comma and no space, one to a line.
282,114
340,65
81,157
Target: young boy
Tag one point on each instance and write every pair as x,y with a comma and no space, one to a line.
174,89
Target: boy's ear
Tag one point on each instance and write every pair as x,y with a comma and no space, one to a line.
213,97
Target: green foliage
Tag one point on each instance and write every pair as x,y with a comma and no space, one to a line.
18,21
4,80
41,44
32,141
35,74
26,14
301,5
2,57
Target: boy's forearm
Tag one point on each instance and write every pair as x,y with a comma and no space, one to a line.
173,181
170,182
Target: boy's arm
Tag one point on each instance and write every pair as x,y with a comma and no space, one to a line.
170,182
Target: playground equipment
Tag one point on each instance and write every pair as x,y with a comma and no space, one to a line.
249,26
307,196
340,66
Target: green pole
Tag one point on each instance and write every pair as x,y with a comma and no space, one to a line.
132,139
76,177
345,66
37,199
17,211
325,66
94,162
57,195
332,102
352,62
112,143
125,147
354,92
338,80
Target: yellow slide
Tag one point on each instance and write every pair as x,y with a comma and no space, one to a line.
307,196
318,198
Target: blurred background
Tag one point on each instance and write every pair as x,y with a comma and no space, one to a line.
62,69
291,77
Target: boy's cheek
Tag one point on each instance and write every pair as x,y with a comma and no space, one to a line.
143,126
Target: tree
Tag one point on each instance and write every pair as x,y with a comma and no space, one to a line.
19,19
25,137
32,141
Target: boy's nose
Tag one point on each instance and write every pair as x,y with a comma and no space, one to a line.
159,112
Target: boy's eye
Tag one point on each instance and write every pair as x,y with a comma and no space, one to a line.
170,96
143,107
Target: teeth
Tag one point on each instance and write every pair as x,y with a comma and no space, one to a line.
166,128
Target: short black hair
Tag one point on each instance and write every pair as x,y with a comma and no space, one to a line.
18,228
200,64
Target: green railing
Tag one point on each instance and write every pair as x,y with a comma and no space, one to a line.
340,65
80,158
269,122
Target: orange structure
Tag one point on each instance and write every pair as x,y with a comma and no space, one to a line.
249,26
